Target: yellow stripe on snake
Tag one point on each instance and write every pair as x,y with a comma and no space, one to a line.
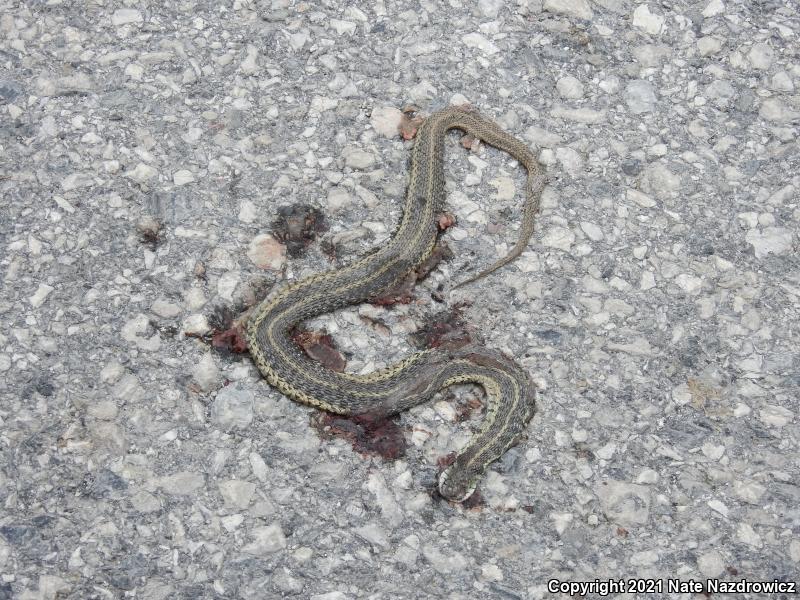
415,379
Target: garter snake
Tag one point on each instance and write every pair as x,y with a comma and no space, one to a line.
413,380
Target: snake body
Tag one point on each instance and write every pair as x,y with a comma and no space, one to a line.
413,380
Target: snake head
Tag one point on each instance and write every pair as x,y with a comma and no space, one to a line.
456,484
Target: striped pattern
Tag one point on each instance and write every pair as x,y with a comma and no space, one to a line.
413,380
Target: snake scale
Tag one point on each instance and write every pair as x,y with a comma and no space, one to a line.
510,393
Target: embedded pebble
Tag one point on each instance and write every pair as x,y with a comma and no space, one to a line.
359,159
770,240
386,120
647,21
123,16
570,87
580,9
640,96
267,539
205,373
233,407
266,252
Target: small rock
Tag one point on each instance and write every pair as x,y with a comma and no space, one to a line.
647,21
490,8
182,483
713,451
249,65
237,493
747,535
182,177
164,309
761,56
141,173
713,8
639,198
123,16
476,40
196,325
775,416
266,540
559,237
135,330
359,159
640,96
386,121
247,211
267,253
40,295
206,373
711,563
709,45
749,491
774,109
128,390
339,198
259,467
689,283
443,563
718,507
233,408
580,9
624,503
592,231
770,240
570,87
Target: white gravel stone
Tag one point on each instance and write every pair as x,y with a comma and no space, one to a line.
770,240
182,177
476,40
237,493
249,65
165,309
761,56
777,111
386,120
196,324
647,21
40,295
709,45
205,373
359,159
267,539
136,329
181,483
123,16
714,8
580,9
444,562
689,283
592,231
248,212
233,407
747,535
711,563
569,87
339,198
141,173
639,198
560,238
776,416
266,252
640,96
624,503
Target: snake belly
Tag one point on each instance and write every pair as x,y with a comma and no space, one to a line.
510,392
